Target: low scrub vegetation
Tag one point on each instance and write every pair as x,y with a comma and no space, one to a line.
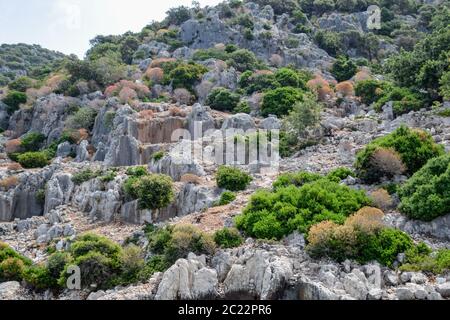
404,150
426,195
275,214
232,179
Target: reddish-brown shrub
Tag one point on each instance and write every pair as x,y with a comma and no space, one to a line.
276,60
127,94
146,114
177,112
367,219
382,199
14,166
182,96
321,87
362,75
190,178
345,89
157,63
387,162
12,146
9,182
154,74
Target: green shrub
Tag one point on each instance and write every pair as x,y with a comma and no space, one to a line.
261,81
243,60
339,174
39,278
363,237
84,118
153,191
228,238
108,176
403,100
174,242
133,264
329,41
288,78
303,116
211,53
21,84
12,269
371,91
158,155
414,146
242,107
14,99
32,142
186,75
31,160
280,101
232,179
7,252
226,198
279,213
98,258
426,195
297,179
85,175
222,99
343,69
56,263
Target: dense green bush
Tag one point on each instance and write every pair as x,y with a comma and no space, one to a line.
14,99
363,237
84,118
138,171
339,174
426,195
21,84
174,242
11,269
276,214
31,160
242,107
85,175
371,91
421,258
228,238
186,75
329,41
32,141
222,99
39,277
98,258
226,198
297,179
343,69
243,60
12,264
280,101
211,53
232,179
415,148
287,78
153,191
260,81
403,100
304,115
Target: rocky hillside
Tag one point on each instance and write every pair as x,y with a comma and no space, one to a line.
137,165
18,60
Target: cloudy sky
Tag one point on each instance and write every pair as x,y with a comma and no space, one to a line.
68,25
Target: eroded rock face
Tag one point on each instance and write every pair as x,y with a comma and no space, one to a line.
58,191
175,166
258,275
22,202
188,279
439,227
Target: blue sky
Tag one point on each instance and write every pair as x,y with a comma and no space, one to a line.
68,25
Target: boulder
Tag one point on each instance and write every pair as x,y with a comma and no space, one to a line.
188,279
